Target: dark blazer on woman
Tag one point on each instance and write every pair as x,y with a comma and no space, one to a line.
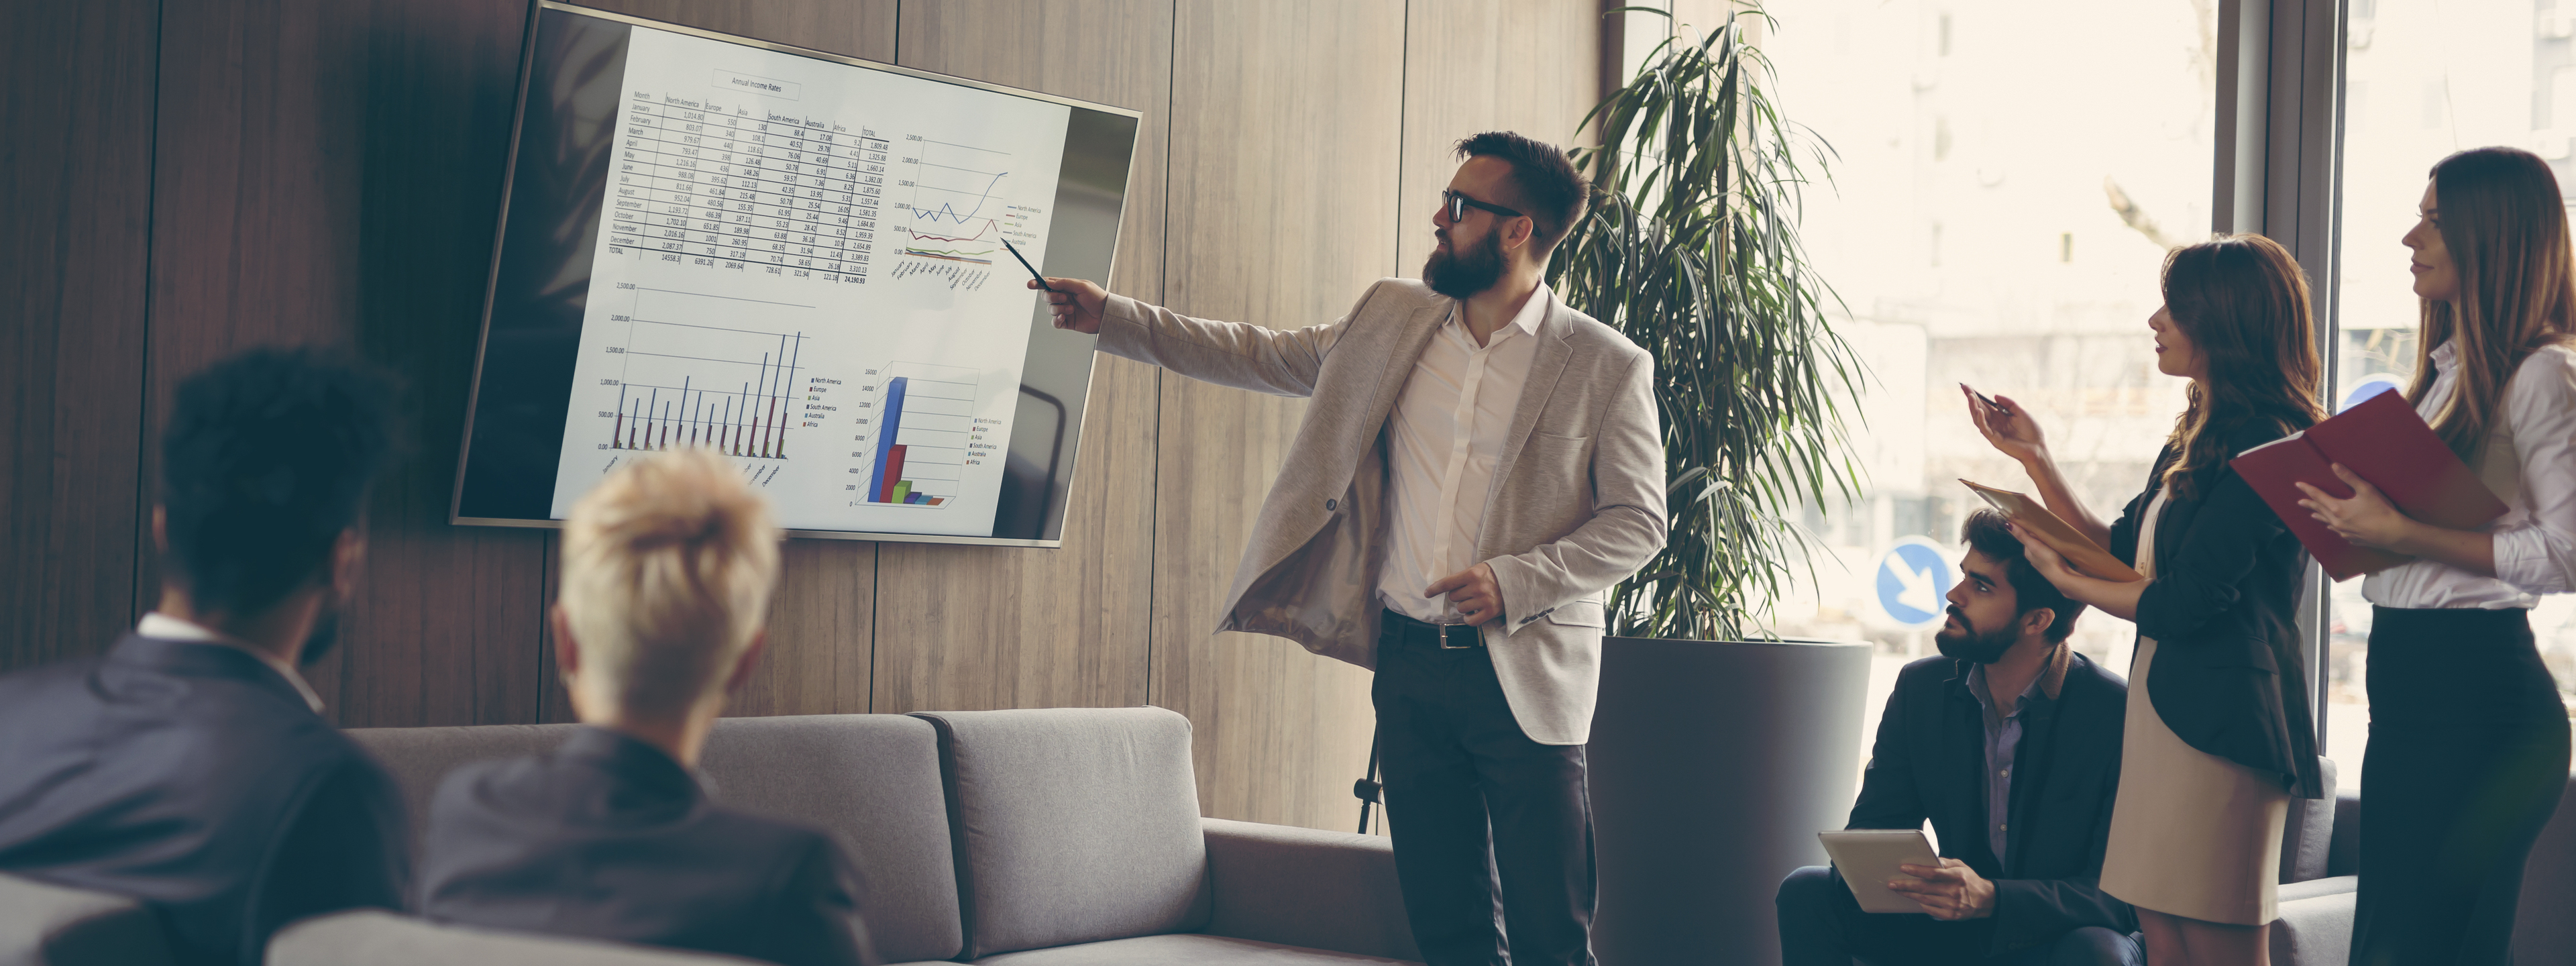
2227,677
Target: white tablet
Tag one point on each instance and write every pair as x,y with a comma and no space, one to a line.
1868,859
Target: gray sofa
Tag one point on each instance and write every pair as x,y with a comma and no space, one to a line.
1065,838
1029,838
2316,905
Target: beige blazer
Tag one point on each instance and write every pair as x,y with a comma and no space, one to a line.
1577,502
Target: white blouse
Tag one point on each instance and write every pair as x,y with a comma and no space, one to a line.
2535,541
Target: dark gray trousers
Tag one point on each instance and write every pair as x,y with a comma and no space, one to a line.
1493,831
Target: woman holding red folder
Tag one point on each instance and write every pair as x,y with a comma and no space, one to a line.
2468,739
2218,737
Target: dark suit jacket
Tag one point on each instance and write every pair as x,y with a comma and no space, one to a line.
2227,676
609,838
193,777
1930,762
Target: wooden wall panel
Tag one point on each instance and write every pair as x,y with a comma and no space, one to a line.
851,28
330,174
1285,130
1073,623
1474,66
75,195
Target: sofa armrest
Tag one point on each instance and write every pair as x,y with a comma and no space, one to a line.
1302,887
51,925
2315,928
384,939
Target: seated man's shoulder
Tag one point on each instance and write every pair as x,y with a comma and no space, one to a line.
2090,676
2091,690
1928,672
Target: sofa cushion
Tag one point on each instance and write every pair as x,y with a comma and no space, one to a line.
2315,928
1180,950
2307,838
2344,856
870,779
1346,896
384,939
2544,932
50,925
873,781
1072,825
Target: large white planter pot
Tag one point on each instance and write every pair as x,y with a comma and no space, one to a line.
1713,766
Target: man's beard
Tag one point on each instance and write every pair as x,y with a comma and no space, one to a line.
1464,271
1971,646
325,634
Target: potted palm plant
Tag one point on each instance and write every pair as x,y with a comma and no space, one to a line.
1719,748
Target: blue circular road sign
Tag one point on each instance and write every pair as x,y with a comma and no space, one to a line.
1913,579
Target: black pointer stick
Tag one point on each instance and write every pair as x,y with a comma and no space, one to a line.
1033,271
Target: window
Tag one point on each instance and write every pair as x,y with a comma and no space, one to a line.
2049,153
2496,72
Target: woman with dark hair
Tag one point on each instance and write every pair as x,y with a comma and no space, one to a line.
2218,737
2468,738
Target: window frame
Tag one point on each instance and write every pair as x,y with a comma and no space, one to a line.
2279,159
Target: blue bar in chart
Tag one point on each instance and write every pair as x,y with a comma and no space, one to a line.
890,417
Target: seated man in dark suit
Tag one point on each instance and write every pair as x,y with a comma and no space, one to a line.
668,567
2010,744
189,765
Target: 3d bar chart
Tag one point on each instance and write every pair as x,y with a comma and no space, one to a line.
924,423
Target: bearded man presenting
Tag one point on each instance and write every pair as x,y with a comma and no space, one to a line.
1480,464
2009,742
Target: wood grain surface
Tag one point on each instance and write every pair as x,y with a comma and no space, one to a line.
1472,66
75,197
235,174
1285,139
969,628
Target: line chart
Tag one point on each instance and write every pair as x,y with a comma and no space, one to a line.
951,188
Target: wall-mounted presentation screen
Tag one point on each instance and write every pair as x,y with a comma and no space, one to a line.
797,260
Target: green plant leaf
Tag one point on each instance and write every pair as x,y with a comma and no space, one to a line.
1692,249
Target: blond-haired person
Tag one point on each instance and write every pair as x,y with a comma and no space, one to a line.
668,568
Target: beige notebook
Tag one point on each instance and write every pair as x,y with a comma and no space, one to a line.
2033,518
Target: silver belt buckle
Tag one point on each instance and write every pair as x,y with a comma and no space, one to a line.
1467,633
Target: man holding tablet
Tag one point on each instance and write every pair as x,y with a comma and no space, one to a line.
2009,742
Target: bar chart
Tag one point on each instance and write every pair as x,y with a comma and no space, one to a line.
925,433
694,372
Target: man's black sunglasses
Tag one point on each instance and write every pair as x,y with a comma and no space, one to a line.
1458,205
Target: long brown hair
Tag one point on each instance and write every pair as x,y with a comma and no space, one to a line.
2506,228
2244,303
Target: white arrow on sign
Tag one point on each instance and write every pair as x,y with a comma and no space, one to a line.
1919,592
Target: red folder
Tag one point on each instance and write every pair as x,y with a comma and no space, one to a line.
2382,441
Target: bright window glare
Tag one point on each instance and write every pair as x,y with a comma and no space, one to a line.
2423,79
2009,176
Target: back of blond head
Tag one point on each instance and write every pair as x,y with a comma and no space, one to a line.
668,567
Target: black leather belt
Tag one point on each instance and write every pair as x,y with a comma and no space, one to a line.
1445,636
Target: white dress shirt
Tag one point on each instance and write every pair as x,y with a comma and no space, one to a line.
165,627
1446,434
2535,541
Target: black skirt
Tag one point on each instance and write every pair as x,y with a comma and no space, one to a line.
2467,760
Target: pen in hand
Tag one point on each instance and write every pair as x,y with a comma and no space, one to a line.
1990,403
1033,270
